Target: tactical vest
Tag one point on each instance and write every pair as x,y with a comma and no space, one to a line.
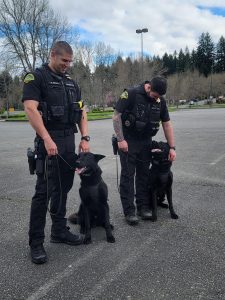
60,106
142,119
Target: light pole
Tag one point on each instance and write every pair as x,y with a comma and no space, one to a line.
142,60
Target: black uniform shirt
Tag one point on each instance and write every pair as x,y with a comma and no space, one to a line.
32,87
125,102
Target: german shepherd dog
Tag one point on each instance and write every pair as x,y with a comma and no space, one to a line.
94,209
161,179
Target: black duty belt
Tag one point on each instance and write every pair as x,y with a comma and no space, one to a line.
61,133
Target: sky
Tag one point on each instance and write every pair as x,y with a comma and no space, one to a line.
172,24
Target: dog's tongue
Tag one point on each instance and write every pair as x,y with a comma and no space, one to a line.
79,171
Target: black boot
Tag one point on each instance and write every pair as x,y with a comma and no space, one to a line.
131,219
145,214
65,236
38,254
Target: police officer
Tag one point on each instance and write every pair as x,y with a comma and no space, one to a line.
136,119
51,101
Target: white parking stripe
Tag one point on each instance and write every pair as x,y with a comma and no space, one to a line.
43,290
218,159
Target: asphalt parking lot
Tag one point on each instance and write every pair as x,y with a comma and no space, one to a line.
168,259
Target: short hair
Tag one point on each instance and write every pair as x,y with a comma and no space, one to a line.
61,46
159,85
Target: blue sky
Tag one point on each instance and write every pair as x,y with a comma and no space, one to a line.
218,11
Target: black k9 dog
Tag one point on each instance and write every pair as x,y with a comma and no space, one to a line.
94,209
161,179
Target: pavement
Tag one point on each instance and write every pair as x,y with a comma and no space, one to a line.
168,259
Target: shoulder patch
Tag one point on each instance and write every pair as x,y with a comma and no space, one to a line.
124,95
29,77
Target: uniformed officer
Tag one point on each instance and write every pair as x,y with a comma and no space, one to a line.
136,119
52,103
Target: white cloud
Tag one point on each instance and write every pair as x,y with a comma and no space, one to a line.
172,24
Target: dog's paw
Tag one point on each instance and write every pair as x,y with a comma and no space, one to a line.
87,240
111,239
112,227
153,219
174,216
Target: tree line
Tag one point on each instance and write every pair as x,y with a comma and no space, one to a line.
28,28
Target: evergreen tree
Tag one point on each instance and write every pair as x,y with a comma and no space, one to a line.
220,55
181,62
205,54
175,59
169,63
187,59
193,60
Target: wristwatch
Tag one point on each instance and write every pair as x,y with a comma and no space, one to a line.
86,138
174,148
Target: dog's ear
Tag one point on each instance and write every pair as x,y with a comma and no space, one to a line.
98,157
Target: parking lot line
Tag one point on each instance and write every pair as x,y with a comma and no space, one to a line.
43,290
218,159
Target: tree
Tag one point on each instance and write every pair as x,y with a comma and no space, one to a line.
82,75
205,54
169,62
84,52
220,55
103,58
5,82
181,62
29,28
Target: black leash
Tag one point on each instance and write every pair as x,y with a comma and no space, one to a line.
66,162
117,174
46,175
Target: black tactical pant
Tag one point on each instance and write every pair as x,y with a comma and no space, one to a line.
135,167
54,181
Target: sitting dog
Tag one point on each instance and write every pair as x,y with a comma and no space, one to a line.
161,179
94,209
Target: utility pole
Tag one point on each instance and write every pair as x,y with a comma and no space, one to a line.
141,31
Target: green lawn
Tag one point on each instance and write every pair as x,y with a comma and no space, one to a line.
91,116
108,114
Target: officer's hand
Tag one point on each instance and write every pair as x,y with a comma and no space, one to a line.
50,146
172,155
84,146
123,146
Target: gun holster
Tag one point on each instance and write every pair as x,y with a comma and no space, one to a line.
31,160
114,144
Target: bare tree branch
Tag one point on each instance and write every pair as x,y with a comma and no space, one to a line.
29,28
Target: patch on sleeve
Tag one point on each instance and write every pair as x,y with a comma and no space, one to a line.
124,95
29,77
